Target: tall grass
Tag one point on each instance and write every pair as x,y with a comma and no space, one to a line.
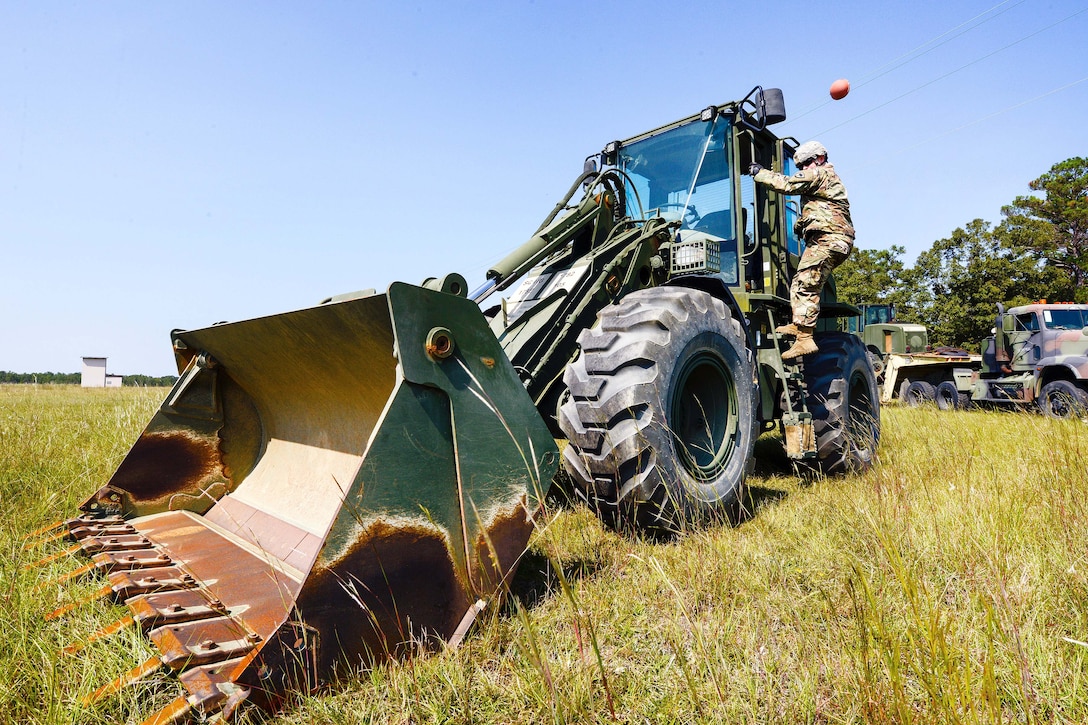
947,585
57,444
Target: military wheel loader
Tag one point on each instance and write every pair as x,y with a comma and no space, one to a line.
326,488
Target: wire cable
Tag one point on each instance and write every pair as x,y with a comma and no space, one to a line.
913,55
987,117
949,73
892,65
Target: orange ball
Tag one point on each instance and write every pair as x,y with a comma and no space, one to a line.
840,88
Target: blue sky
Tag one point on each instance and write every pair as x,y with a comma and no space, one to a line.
167,165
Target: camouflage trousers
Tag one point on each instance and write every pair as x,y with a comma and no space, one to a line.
823,252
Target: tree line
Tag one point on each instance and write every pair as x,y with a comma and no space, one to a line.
145,381
1039,250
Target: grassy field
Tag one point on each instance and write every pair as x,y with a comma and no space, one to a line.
947,585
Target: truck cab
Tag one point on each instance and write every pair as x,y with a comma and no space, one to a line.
1037,353
882,332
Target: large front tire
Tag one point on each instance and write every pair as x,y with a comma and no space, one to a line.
660,414
845,404
1063,399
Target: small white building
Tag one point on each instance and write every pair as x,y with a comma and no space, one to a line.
94,374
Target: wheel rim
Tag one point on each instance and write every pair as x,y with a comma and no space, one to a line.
703,416
1059,404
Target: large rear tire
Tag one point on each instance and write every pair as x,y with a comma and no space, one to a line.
844,402
949,397
660,414
918,392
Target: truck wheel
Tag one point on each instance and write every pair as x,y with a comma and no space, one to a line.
844,402
660,414
949,397
918,392
1063,399
878,365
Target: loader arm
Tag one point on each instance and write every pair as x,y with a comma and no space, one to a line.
590,260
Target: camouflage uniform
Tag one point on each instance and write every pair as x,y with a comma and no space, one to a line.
825,226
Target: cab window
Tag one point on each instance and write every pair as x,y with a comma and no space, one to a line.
1027,322
794,244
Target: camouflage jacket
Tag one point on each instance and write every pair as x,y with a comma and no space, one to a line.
824,206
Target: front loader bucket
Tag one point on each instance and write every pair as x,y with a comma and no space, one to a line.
321,489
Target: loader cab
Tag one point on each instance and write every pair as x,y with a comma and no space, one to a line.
692,173
685,174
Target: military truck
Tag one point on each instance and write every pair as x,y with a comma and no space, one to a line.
1037,354
883,333
329,487
908,368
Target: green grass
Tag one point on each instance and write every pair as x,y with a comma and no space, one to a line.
947,585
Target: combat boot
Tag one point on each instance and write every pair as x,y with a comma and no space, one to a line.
789,330
804,345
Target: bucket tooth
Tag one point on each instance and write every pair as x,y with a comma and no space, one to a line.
111,629
153,610
84,526
47,529
149,667
66,578
110,561
102,593
96,532
31,542
53,557
96,544
94,520
185,605
177,711
214,694
213,686
203,642
127,584
88,531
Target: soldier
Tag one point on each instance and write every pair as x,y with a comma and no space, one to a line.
825,226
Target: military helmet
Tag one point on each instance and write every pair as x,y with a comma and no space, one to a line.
808,151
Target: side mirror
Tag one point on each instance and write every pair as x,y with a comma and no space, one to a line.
761,108
589,167
774,105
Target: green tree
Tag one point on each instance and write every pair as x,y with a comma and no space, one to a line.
959,280
1054,227
148,381
872,276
